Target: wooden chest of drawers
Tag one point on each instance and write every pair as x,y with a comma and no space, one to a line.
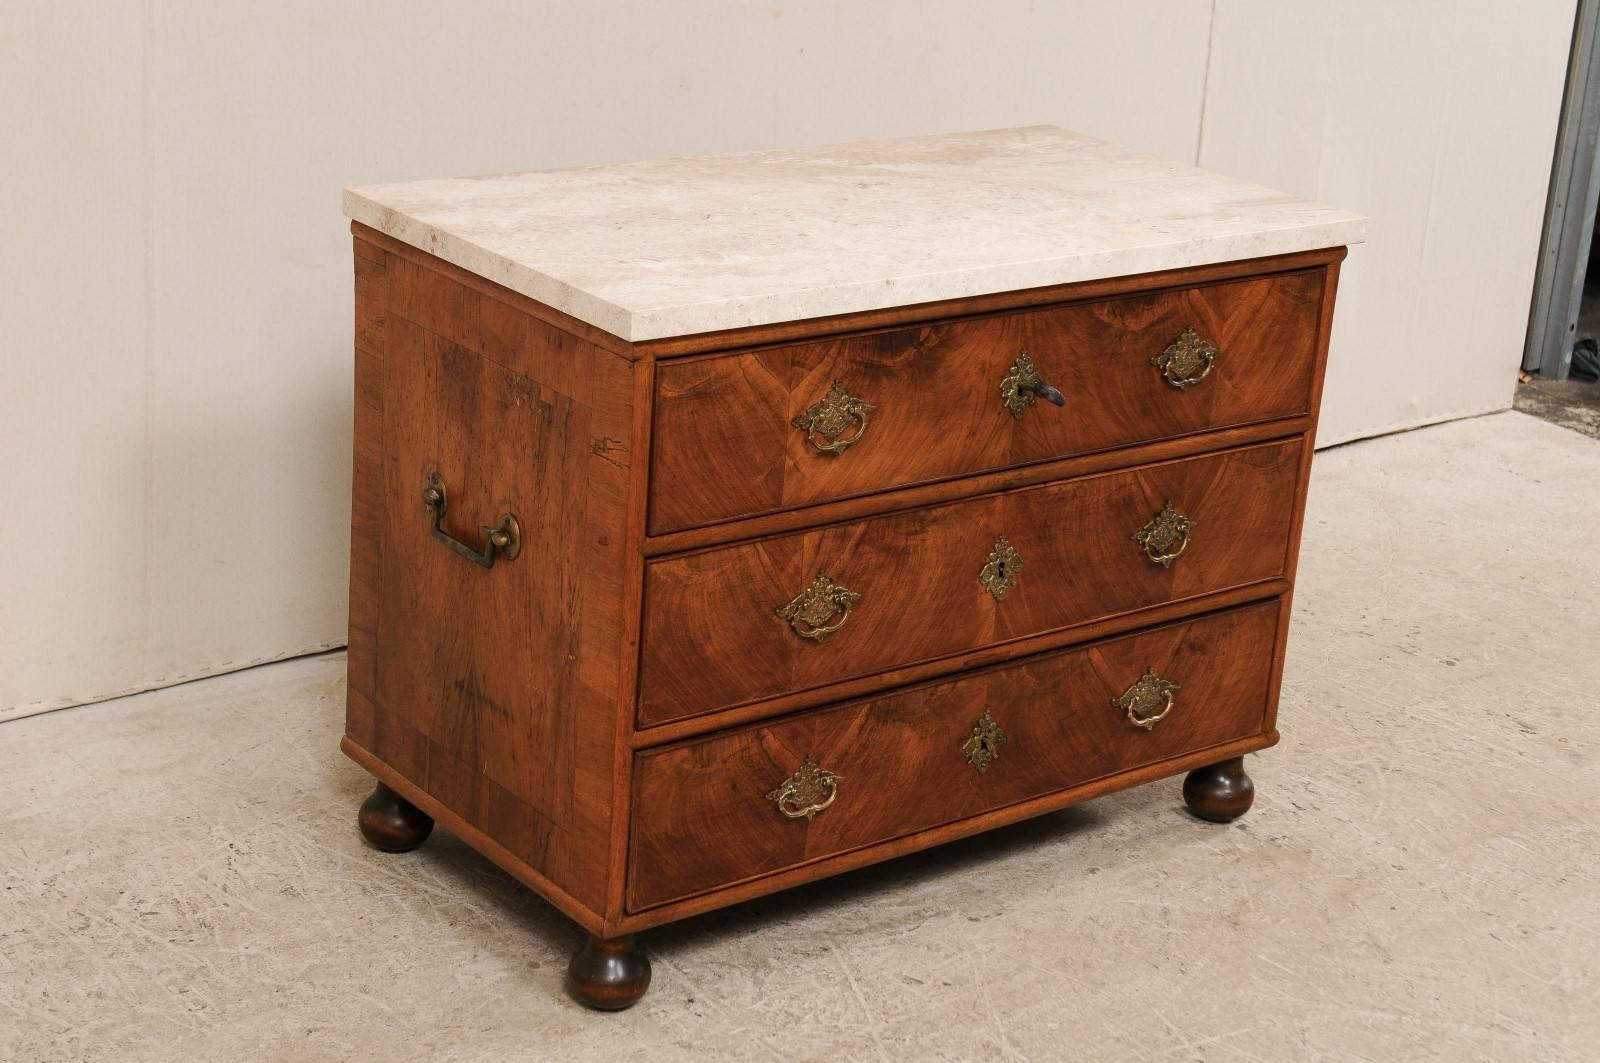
660,617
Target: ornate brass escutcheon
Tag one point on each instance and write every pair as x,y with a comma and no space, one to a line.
811,611
503,540
1022,385
1148,701
1187,360
806,792
825,422
983,748
1157,538
1002,570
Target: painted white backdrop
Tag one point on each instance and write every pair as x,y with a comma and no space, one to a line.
175,293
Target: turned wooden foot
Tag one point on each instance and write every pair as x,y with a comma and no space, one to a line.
1219,792
392,823
609,975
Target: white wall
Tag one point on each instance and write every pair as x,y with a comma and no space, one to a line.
175,285
175,318
1437,120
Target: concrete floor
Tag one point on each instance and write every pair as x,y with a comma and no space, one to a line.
1419,879
1571,403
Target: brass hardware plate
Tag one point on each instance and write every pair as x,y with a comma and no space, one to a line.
504,540
1157,538
811,613
1148,701
806,792
1187,360
1022,386
1002,570
983,748
827,422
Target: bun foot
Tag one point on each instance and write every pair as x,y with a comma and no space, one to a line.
1221,792
609,975
391,823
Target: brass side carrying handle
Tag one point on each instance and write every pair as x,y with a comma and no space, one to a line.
1187,360
503,540
811,612
1165,529
1148,701
829,421
1022,385
806,792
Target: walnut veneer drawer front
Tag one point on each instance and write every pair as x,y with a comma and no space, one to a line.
708,812
931,582
767,430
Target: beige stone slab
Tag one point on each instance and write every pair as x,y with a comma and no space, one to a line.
181,878
682,246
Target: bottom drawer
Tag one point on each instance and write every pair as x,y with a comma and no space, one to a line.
736,805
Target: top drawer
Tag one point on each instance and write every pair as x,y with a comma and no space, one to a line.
729,435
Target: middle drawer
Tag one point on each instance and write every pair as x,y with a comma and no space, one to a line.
738,624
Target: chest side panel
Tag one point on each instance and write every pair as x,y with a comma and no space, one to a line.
492,688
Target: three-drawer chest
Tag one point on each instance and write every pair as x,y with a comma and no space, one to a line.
725,523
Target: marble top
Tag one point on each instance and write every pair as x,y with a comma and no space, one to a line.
647,250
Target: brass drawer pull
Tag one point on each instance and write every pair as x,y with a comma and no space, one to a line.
503,540
1022,384
825,422
812,609
1002,570
1187,360
806,792
1157,538
983,748
1148,701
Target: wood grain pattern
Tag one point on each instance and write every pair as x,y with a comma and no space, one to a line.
494,691
514,864
366,497
920,495
839,863
725,446
370,241
503,702
712,639
900,756
632,595
966,660
755,336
